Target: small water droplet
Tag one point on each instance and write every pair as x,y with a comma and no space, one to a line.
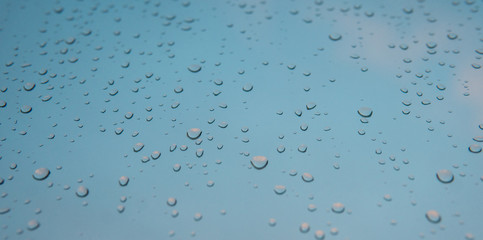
198,216
302,148
29,86
272,222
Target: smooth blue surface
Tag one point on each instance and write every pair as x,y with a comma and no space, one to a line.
384,171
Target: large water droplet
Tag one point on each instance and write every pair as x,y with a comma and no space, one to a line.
29,86
138,147
33,224
365,111
194,133
194,68
82,191
433,216
123,181
338,207
335,36
307,177
41,174
25,109
304,227
259,162
248,87
445,176
475,148
279,189
319,235
171,201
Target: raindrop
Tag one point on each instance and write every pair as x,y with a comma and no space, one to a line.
41,174
155,155
310,105
138,147
279,189
433,216
32,225
123,181
302,148
171,201
281,149
82,191
338,207
248,87
194,133
25,109
307,177
319,235
29,86
194,68
198,216
272,222
259,162
445,176
365,112
176,167
335,36
475,148
304,227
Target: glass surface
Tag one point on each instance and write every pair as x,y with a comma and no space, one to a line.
241,119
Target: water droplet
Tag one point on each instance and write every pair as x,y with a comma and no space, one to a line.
129,115
123,181
120,208
155,155
445,176
310,105
178,89
319,235
307,177
279,189
176,167
272,222
302,148
478,139
194,133
29,86
248,87
82,191
259,162
433,216
171,201
3,104
312,208
25,109
304,227
338,207
281,149
335,36
138,147
33,224
452,36
194,68
198,216
475,148
365,112
199,152
41,174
